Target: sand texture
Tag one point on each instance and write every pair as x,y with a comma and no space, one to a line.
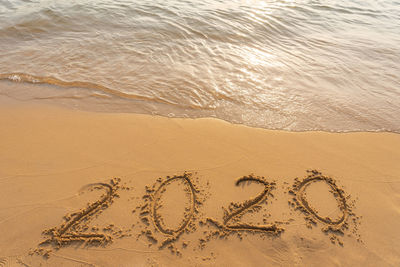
108,189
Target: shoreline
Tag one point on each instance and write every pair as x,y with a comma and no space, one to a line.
49,157
90,99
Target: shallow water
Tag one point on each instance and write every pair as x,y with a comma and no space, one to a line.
292,65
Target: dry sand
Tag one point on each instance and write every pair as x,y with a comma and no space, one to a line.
94,189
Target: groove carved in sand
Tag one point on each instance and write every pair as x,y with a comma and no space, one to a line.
157,218
333,227
155,228
72,230
231,219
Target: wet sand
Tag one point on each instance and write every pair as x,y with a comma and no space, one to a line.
110,189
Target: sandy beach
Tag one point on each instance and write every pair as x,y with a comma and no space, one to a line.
199,133
110,189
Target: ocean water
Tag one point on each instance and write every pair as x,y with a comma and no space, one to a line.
294,65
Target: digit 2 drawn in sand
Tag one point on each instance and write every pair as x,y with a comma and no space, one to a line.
334,227
72,230
237,210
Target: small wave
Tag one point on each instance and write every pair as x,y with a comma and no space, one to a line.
28,78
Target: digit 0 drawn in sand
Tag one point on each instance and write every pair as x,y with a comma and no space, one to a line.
158,219
334,228
75,227
156,231
232,216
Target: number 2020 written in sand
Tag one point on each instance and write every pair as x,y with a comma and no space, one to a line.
154,228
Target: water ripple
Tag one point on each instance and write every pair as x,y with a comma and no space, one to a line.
278,64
